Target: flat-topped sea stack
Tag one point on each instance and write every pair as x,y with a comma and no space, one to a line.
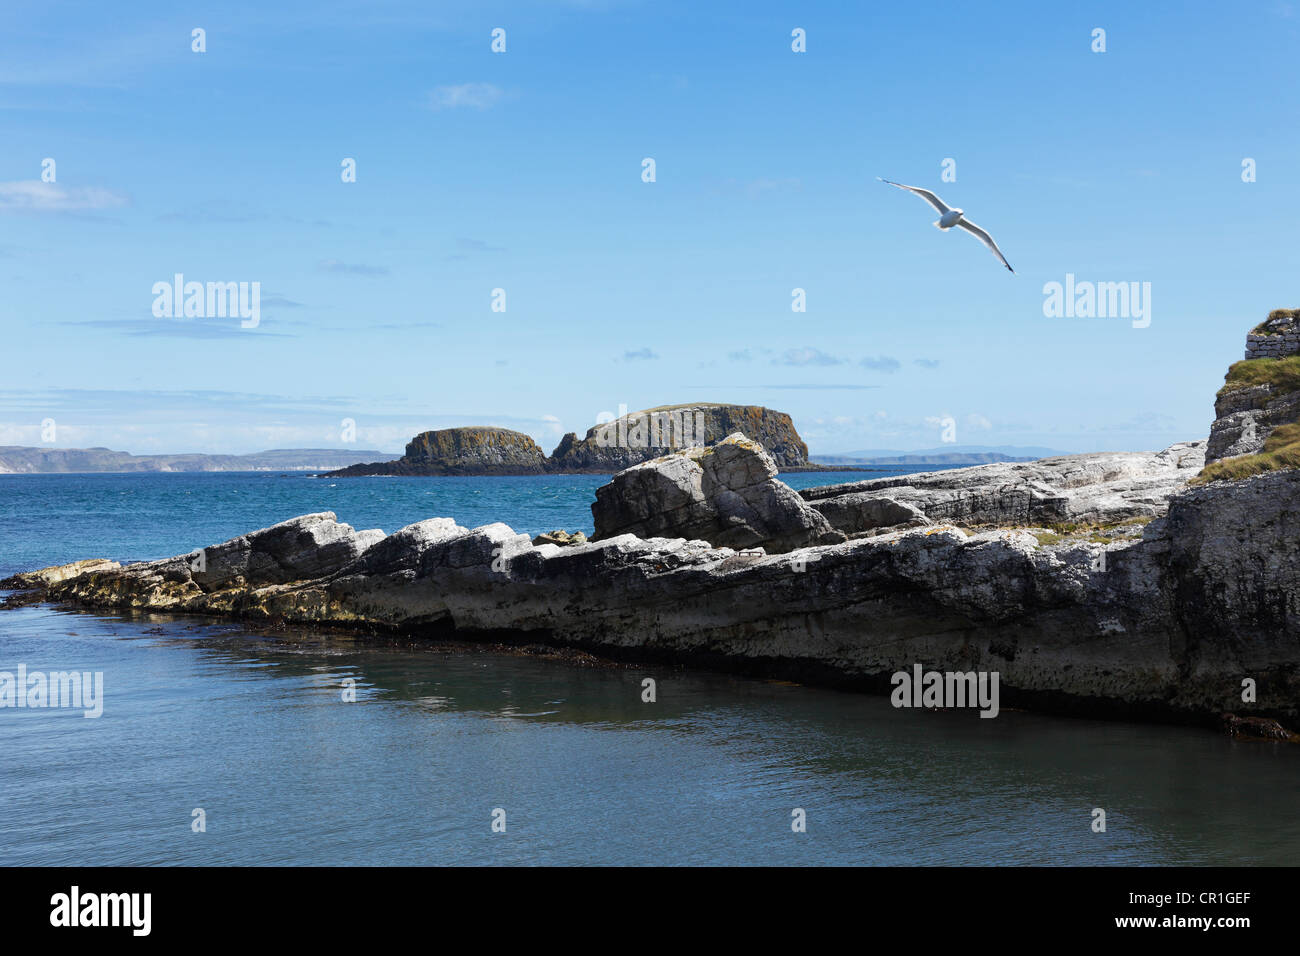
473,450
641,436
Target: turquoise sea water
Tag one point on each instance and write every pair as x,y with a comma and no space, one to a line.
51,519
250,726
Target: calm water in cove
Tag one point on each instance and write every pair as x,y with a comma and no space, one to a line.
250,727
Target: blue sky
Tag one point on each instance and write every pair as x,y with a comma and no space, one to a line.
523,171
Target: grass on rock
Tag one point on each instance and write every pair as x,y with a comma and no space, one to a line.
1283,374
1281,451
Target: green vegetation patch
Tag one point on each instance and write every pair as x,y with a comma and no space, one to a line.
1097,532
1283,374
1281,451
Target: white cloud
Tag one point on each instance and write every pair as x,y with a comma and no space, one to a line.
32,195
808,356
883,363
479,96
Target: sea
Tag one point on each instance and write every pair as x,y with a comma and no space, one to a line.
224,744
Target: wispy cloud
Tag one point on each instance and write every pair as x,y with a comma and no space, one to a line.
477,245
640,355
812,387
336,267
233,212
881,363
32,195
927,363
479,96
403,326
808,356
213,421
467,247
177,328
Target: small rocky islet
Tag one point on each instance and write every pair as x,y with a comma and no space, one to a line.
606,448
1143,585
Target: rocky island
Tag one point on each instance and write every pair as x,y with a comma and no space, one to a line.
473,450
1158,585
608,447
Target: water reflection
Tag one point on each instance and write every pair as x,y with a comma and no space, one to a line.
252,720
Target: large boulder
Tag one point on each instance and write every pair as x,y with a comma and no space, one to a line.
309,546
726,494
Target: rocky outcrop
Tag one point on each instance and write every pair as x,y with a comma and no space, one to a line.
300,549
726,494
645,435
1257,728
1260,393
474,450
1192,616
1071,489
61,572
859,512
1244,417
612,447
1166,625
561,537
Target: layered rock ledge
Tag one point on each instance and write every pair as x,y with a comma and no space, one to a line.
1104,488
1167,625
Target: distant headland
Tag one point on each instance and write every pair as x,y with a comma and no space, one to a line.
22,460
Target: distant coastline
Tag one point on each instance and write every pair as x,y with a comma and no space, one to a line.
24,460
18,460
486,450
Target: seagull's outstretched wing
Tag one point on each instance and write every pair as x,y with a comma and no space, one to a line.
925,194
985,238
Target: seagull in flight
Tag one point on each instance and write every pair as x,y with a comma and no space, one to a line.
949,217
